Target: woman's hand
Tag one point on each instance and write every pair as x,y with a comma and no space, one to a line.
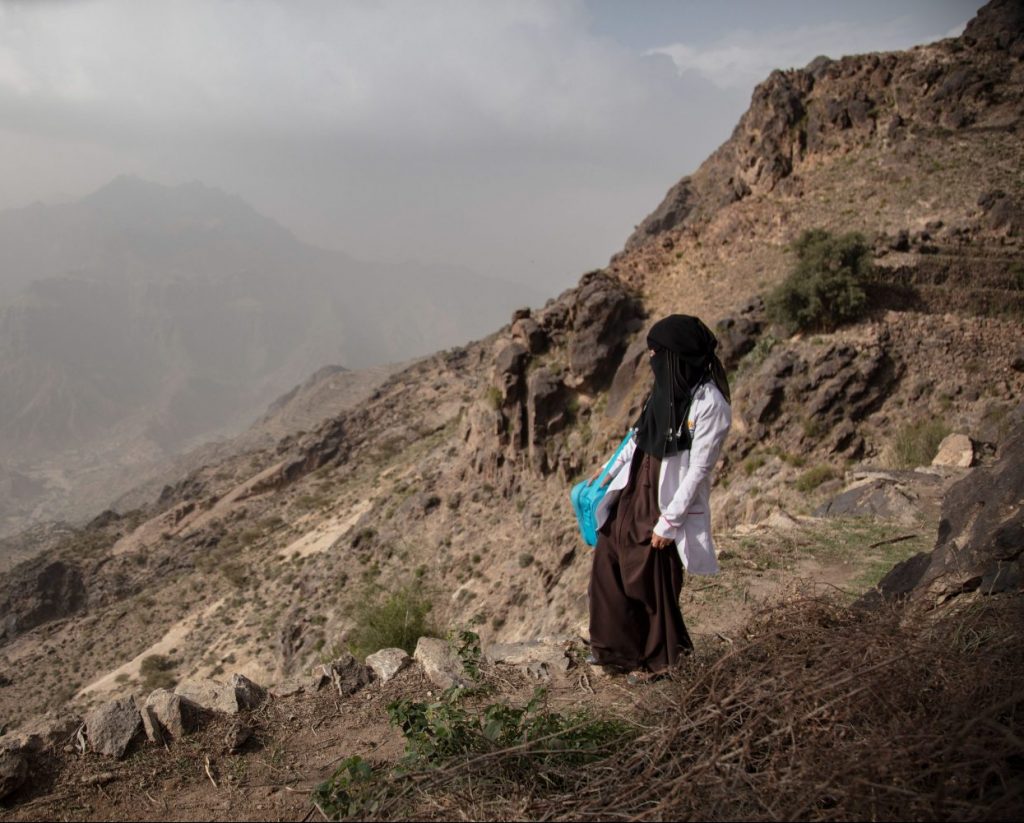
597,474
658,542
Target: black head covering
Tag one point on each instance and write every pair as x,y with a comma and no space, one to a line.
684,359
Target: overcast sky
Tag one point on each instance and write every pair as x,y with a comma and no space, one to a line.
521,139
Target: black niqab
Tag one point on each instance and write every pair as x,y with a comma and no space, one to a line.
684,358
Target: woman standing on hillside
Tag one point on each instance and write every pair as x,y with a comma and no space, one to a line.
655,519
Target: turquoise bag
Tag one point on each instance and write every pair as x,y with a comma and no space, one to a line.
586,495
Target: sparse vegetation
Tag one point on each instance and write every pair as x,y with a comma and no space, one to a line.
753,463
916,443
531,744
826,287
814,477
398,621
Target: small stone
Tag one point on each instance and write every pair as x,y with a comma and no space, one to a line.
955,450
114,726
386,663
440,663
237,736
249,694
13,772
347,674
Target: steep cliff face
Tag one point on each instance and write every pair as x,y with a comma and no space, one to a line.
453,474
800,118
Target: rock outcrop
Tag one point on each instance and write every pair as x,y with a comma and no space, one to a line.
40,592
980,539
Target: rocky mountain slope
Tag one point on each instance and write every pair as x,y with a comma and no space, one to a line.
144,319
452,476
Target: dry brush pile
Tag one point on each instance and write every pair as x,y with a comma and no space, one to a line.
821,712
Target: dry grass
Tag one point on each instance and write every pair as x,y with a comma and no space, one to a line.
822,712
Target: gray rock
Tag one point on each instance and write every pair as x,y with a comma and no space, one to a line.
534,658
980,544
249,694
879,497
150,725
13,771
386,663
210,695
347,674
113,727
166,713
440,663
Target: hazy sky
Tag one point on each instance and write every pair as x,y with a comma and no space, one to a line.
521,139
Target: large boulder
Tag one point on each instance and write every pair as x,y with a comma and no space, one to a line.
113,727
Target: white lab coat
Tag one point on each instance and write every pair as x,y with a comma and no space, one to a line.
684,483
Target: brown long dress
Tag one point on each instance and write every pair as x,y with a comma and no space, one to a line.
635,621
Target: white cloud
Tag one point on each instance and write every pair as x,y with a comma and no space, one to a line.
744,58
439,71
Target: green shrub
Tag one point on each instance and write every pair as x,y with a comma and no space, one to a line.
826,287
916,443
157,672
398,621
814,477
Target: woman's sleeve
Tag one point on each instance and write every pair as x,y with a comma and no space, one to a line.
712,424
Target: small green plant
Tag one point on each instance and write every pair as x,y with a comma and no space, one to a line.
398,621
436,734
467,647
814,477
916,443
826,287
349,790
494,398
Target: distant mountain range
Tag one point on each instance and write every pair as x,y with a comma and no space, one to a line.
143,318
